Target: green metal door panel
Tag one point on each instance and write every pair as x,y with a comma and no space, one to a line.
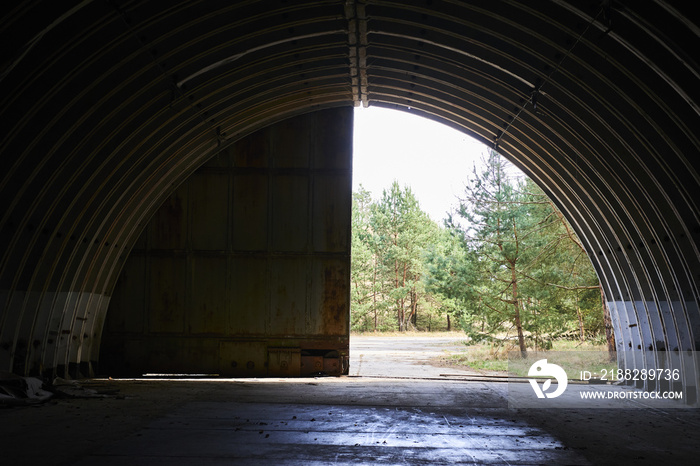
208,306
209,205
250,208
288,295
167,294
249,303
290,213
331,212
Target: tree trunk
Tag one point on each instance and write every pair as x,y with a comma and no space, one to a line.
413,318
404,320
399,304
581,331
516,305
374,292
449,324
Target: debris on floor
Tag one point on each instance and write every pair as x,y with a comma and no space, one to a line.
75,389
17,391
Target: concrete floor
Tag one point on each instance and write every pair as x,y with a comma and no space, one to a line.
360,419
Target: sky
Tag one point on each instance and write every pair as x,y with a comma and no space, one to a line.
433,159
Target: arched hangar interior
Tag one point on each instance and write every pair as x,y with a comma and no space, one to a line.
108,106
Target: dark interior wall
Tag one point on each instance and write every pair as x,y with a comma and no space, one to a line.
244,270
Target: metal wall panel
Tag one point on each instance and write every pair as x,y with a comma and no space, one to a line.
290,212
332,199
250,212
243,358
329,307
245,271
132,299
253,151
291,142
284,361
288,296
330,143
208,306
209,201
248,307
166,286
168,228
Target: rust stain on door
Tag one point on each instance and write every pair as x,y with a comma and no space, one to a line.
334,302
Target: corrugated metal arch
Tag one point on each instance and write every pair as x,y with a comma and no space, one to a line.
107,106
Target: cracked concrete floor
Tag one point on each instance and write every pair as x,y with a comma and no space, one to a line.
361,419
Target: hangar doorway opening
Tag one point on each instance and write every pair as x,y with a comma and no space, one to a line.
246,269
450,237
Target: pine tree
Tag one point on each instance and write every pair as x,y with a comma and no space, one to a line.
401,233
520,268
363,276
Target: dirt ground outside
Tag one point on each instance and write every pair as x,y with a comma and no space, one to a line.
409,355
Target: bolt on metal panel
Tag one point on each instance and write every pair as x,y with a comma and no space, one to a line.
284,361
243,358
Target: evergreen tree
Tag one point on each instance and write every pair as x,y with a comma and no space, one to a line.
401,233
363,292
507,266
520,268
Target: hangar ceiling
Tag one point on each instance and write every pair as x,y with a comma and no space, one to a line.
107,106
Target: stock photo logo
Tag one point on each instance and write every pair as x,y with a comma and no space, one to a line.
542,368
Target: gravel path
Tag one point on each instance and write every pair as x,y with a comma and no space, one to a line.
403,356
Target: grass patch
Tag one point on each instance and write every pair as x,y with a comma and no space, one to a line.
570,345
573,362
581,356
479,364
480,358
409,333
